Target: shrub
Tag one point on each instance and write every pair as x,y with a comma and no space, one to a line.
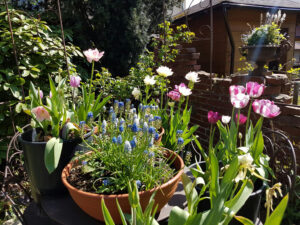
39,53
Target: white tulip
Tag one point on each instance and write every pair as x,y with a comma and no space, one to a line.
185,91
192,76
226,119
136,93
164,71
149,80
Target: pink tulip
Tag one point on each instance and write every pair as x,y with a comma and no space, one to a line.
41,94
174,95
242,118
41,113
266,108
93,55
255,89
180,85
75,81
239,100
213,117
236,89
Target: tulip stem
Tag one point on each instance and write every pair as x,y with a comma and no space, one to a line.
92,74
248,119
237,127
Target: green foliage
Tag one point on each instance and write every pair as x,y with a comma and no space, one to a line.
268,33
40,53
138,216
124,151
121,28
292,212
169,38
164,51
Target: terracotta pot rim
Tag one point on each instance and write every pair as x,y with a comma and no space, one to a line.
162,132
172,180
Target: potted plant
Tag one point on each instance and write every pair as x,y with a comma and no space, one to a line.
50,144
247,146
123,151
262,43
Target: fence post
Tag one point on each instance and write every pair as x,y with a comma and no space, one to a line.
296,92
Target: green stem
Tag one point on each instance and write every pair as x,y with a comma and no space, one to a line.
161,98
147,93
92,74
237,130
248,118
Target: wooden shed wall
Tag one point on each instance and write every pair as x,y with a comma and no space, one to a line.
238,19
198,24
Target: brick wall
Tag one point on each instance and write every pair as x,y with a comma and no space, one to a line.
213,94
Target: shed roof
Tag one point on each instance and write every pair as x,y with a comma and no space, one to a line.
279,4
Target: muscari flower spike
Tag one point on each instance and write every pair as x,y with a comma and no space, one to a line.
132,143
114,140
145,127
105,182
104,123
179,133
121,128
156,136
157,118
81,124
90,115
134,128
140,106
121,104
113,117
180,141
122,121
119,140
151,142
127,146
151,154
138,183
151,130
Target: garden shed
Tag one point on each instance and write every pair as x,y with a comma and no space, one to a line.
230,19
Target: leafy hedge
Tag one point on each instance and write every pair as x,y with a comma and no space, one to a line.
121,28
39,53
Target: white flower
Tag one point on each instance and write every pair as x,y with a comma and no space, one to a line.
240,176
226,119
185,91
244,149
245,159
192,76
149,80
164,71
136,93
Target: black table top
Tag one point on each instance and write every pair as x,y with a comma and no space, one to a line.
62,210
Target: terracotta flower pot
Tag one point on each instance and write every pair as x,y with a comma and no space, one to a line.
91,203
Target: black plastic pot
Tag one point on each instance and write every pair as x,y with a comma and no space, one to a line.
251,207
42,183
